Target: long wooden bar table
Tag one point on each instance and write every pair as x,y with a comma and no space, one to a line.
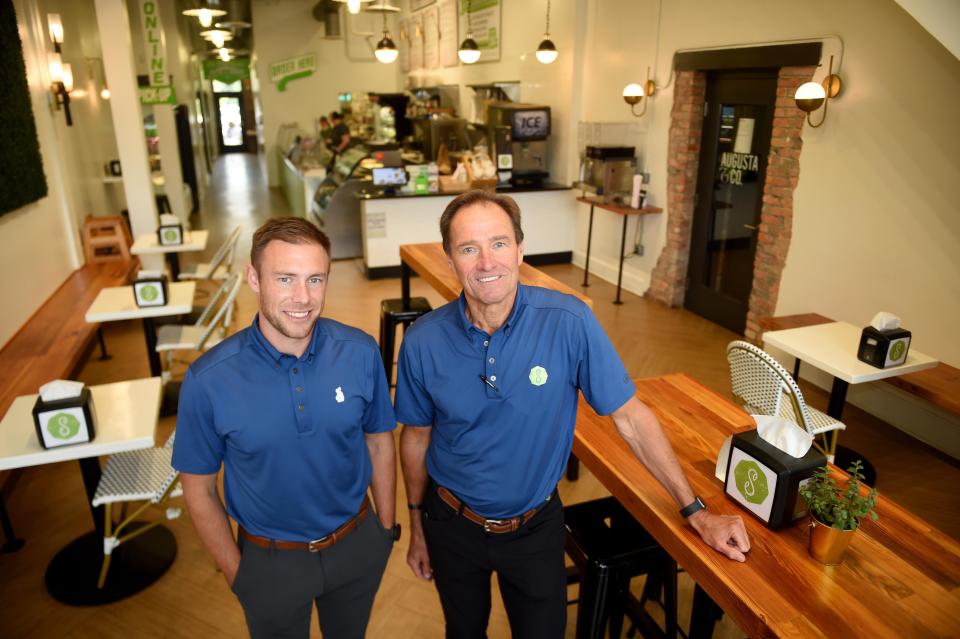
431,263
900,578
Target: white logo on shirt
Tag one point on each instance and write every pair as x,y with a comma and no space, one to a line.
339,395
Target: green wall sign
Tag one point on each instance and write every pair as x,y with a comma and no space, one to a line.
286,71
227,72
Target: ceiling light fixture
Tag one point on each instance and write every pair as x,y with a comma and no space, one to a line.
217,36
547,51
468,52
204,13
386,51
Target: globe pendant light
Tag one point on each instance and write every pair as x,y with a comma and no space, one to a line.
469,52
386,51
547,51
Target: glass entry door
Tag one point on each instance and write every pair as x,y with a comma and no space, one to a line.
733,163
230,122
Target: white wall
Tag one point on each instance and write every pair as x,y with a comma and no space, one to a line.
287,29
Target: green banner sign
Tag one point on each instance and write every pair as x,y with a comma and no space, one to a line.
293,69
158,95
227,72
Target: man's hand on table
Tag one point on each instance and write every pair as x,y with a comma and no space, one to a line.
724,533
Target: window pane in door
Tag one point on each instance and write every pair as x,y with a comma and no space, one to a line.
230,125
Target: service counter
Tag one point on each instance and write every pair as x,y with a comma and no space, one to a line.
387,221
299,185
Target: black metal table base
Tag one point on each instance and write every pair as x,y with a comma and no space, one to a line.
72,574
11,543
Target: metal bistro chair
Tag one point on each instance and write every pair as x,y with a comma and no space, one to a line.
135,476
200,335
766,388
220,265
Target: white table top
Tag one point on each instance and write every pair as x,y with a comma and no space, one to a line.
117,303
126,419
146,244
833,348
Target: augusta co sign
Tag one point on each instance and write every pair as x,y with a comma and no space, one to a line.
293,69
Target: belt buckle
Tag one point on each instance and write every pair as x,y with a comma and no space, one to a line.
311,544
496,522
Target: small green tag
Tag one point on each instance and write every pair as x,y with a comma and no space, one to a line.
751,482
63,426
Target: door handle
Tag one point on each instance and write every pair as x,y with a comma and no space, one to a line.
752,227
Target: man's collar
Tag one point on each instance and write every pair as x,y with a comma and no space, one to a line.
271,351
518,302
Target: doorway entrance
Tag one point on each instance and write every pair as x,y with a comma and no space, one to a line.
735,144
230,122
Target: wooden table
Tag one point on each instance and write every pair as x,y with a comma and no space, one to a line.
126,419
901,577
623,211
148,244
118,303
432,264
832,348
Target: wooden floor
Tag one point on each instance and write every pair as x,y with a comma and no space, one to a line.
192,600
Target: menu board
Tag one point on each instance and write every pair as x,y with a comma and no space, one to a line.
449,37
416,42
431,39
403,43
483,23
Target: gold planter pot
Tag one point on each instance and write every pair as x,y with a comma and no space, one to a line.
828,544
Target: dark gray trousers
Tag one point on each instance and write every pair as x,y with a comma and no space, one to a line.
277,587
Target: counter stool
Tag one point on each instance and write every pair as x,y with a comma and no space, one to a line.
609,547
393,313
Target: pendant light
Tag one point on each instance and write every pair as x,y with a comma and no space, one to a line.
204,13
386,51
547,52
469,52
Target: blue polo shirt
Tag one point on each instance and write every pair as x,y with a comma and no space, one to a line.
289,431
503,450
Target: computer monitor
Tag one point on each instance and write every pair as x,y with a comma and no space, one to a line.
389,176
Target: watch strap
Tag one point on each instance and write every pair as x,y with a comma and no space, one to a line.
695,506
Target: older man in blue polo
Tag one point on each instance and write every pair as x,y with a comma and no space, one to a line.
487,391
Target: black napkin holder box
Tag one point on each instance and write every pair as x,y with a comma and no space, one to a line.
884,349
64,422
151,291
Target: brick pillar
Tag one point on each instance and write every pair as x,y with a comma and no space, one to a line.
668,279
776,214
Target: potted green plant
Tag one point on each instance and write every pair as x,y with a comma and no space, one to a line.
835,511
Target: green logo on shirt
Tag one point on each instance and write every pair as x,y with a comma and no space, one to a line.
751,482
63,426
538,376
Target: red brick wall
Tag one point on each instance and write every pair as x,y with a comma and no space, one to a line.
668,280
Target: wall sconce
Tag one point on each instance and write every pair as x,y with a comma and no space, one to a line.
634,94
468,52
61,84
547,52
56,30
811,95
204,13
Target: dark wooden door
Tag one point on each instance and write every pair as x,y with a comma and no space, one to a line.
733,162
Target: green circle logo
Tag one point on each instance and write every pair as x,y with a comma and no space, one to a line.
63,426
170,235
149,292
897,349
751,482
538,376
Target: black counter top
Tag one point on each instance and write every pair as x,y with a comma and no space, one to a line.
377,194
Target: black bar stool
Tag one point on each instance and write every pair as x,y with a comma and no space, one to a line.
392,314
609,547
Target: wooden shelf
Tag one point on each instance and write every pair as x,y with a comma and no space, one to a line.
620,210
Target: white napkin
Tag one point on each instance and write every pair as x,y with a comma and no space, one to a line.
168,219
60,389
776,431
884,321
143,273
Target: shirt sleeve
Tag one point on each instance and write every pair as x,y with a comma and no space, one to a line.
414,404
378,416
603,379
198,448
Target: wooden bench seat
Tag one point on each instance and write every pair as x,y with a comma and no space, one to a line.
55,341
939,385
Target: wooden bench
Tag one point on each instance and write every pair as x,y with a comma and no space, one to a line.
53,344
939,385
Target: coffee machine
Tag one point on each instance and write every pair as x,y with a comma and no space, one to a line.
519,133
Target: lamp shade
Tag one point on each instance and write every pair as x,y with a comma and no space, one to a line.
386,51
547,52
67,78
353,6
469,52
56,28
632,93
55,64
810,96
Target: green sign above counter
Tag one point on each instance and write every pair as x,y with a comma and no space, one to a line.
227,72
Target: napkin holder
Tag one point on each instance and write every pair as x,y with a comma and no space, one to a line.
63,422
149,291
884,348
170,234
765,480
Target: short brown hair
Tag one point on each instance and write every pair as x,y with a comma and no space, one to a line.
505,202
292,230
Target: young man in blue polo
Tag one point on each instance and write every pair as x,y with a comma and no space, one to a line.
297,410
487,390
